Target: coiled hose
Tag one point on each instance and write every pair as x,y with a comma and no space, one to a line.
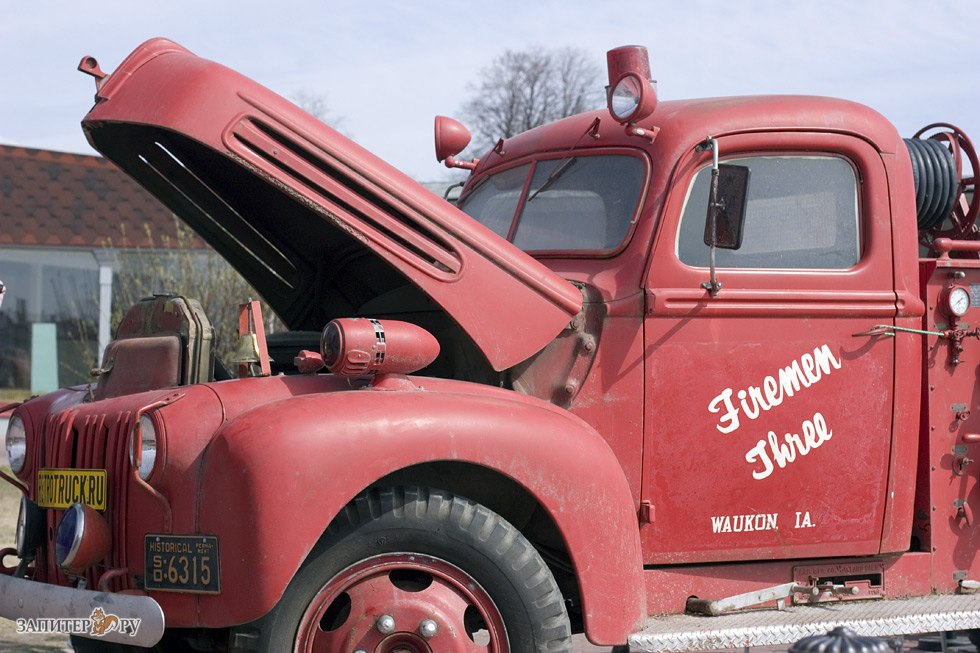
936,180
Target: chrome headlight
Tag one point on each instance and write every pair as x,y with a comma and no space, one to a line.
143,446
16,444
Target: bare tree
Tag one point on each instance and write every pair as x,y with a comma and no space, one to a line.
316,105
177,264
525,89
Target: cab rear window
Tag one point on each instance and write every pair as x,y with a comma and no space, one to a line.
577,203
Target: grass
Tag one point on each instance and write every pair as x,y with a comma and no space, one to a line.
15,394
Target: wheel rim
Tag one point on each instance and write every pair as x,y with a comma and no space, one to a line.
401,603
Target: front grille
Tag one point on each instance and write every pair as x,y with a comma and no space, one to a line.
74,441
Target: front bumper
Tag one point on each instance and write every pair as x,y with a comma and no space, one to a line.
25,599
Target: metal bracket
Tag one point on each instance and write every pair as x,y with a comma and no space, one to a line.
713,286
740,601
960,459
890,331
963,511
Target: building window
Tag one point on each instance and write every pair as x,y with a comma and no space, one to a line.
50,286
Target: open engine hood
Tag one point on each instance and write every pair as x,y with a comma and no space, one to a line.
318,225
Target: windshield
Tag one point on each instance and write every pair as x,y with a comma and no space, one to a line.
580,203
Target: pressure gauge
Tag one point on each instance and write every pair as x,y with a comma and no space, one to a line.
955,301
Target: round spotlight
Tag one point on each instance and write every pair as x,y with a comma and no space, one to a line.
82,539
632,98
30,528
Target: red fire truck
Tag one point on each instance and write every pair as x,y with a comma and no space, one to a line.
684,375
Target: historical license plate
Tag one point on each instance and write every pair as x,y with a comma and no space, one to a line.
59,488
182,563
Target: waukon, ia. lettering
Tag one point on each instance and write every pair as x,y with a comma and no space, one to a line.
754,400
756,522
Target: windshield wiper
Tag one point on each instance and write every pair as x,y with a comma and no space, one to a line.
561,169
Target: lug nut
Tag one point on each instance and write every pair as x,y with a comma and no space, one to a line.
386,624
428,628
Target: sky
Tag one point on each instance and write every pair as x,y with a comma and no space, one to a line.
386,68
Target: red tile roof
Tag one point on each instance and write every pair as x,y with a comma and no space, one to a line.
57,199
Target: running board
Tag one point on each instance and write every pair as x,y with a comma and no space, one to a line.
880,618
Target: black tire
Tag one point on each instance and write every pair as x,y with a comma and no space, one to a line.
974,637
410,553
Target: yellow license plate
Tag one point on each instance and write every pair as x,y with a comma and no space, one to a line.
59,488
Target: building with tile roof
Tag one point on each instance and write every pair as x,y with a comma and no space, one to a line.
62,219
65,200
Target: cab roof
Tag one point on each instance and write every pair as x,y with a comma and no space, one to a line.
684,123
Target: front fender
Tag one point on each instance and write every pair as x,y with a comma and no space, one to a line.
275,476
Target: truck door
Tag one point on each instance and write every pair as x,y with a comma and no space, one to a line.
768,424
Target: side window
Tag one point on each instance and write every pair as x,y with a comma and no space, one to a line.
802,213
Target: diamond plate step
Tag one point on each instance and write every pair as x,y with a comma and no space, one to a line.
881,618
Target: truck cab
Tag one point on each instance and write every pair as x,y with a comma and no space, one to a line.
751,380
